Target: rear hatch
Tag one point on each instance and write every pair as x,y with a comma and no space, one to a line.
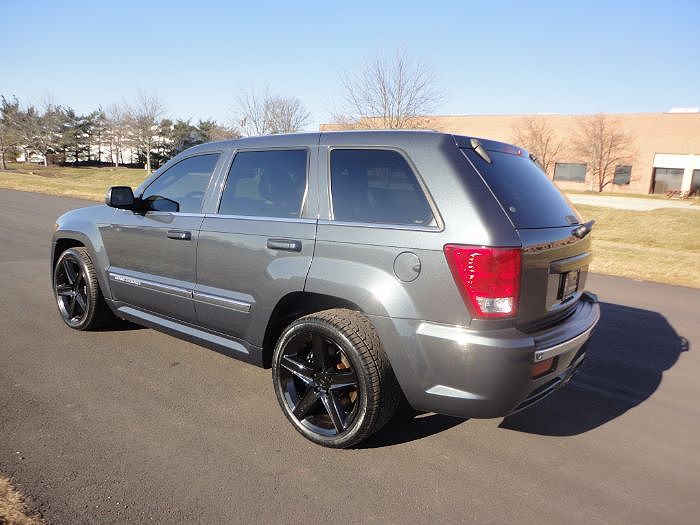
554,260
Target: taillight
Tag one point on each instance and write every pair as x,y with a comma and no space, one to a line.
488,278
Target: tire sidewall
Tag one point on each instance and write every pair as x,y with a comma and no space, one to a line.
348,436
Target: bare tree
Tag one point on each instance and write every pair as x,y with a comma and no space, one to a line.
260,113
43,128
603,145
143,117
389,93
116,130
538,137
9,132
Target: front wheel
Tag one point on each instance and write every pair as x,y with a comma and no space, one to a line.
333,379
77,291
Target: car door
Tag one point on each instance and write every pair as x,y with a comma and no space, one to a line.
258,245
152,251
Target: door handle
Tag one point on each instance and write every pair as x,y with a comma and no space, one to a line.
290,245
180,235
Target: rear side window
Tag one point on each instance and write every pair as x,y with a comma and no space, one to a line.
525,192
265,184
181,188
376,186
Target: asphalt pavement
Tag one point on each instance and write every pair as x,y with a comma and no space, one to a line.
132,425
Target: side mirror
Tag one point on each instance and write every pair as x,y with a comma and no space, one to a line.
120,197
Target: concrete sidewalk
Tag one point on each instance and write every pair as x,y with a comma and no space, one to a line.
629,203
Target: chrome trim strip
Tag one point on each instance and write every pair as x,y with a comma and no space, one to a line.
566,346
408,227
255,218
224,302
151,285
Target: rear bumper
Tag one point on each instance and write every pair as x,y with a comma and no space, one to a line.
460,372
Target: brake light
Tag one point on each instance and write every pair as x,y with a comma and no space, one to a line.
487,278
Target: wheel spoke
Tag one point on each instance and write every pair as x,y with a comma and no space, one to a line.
64,290
342,379
80,299
297,368
320,350
69,271
71,307
335,411
305,404
78,281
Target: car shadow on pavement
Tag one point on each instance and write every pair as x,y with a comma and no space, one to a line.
120,325
625,361
410,425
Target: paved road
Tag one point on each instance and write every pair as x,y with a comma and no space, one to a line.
134,425
629,203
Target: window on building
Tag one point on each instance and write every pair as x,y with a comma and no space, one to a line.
695,183
376,186
623,174
265,184
667,179
570,172
181,188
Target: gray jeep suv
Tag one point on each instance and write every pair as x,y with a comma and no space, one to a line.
361,266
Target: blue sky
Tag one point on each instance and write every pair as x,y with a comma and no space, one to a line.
496,57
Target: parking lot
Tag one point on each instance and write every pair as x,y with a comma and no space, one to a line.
132,425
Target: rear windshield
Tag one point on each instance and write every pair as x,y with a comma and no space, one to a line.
527,195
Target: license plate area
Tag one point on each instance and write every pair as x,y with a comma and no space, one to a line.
568,285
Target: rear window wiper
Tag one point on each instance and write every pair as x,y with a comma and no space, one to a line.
583,230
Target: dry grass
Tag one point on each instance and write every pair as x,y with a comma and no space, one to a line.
658,245
86,183
12,508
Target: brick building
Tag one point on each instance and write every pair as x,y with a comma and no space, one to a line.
666,148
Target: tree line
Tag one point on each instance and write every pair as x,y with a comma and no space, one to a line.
387,92
122,134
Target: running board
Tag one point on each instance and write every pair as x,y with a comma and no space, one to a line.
222,345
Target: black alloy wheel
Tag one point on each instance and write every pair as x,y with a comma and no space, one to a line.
332,378
77,291
319,383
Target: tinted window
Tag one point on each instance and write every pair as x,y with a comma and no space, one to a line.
570,172
376,186
265,184
184,184
667,179
525,192
623,174
695,183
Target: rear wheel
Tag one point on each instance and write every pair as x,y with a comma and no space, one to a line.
333,379
77,291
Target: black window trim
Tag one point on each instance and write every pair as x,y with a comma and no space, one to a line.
227,172
437,223
171,164
629,180
585,173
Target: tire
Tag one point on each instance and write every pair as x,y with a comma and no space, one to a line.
332,378
77,292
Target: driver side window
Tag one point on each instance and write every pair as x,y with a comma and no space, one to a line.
181,188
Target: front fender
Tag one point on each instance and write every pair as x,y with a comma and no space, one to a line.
83,226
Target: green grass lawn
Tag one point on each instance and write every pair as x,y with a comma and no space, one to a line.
658,245
88,183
